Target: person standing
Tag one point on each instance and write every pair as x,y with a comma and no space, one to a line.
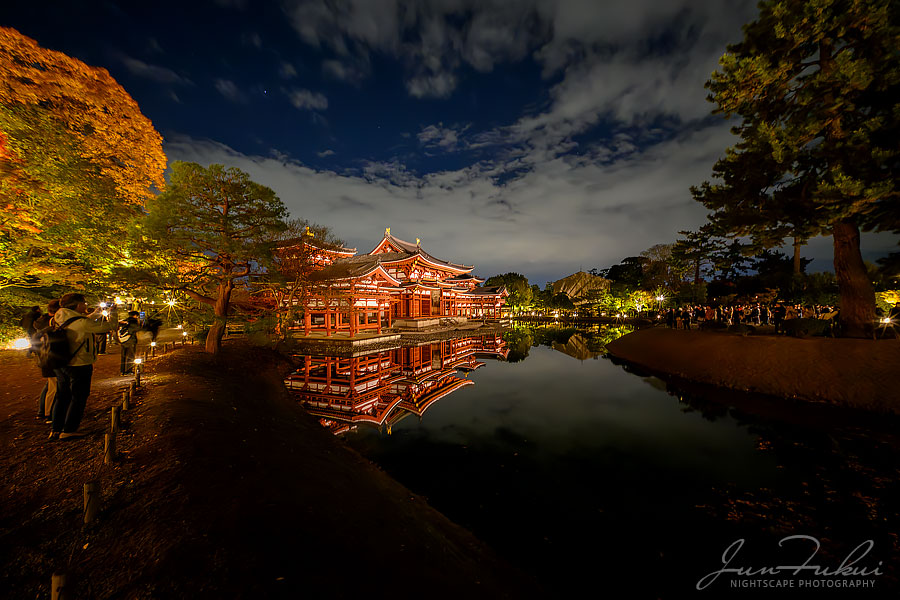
48,394
74,379
128,330
27,323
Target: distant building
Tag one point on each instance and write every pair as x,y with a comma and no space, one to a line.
396,284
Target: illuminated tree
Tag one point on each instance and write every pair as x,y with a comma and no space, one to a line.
517,285
816,85
77,160
222,227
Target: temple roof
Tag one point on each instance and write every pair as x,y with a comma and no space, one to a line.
308,239
408,249
354,266
464,277
486,291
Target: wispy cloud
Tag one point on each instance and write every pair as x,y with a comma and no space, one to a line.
438,136
153,72
287,70
307,100
325,153
231,91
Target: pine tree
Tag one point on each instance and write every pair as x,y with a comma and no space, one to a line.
221,227
817,87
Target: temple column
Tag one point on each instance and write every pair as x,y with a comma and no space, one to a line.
307,322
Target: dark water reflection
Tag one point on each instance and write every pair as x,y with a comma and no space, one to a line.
586,474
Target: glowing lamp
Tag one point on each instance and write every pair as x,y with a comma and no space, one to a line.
184,333
179,327
21,344
138,361
886,320
117,300
171,302
660,298
153,344
103,305
105,313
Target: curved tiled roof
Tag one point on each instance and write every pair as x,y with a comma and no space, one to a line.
412,249
314,242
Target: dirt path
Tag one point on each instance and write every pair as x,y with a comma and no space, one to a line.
224,488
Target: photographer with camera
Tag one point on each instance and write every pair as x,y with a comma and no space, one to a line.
74,378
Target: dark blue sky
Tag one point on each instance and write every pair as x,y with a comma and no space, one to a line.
538,136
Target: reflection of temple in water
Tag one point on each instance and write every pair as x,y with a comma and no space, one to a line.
384,387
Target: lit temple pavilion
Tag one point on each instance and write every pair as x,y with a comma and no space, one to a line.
397,284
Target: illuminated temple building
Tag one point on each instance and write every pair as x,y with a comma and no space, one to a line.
397,284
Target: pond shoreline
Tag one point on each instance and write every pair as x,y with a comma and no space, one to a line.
851,373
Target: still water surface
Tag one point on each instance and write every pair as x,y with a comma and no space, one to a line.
586,474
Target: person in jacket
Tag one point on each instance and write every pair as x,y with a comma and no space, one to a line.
128,339
74,379
48,394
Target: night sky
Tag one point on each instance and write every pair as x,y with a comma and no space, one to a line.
538,136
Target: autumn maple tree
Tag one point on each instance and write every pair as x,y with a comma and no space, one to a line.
78,161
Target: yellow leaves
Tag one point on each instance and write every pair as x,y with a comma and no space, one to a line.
112,133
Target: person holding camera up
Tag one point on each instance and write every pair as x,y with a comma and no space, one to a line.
128,330
74,379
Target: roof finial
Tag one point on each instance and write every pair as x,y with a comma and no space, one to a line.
418,241
307,230
387,231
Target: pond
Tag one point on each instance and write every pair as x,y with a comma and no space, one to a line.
587,474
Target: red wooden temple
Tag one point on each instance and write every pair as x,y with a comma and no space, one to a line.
396,284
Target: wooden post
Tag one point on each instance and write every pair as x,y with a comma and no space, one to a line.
58,587
109,448
137,378
91,500
114,419
126,399
132,386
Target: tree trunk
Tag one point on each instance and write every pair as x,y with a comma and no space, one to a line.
223,297
697,272
857,294
798,263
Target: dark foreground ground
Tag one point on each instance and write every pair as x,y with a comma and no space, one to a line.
224,488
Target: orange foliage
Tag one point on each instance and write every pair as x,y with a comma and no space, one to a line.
112,132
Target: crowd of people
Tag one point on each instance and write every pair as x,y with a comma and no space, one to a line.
68,384
757,314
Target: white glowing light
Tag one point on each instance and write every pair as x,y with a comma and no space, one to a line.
138,361
660,298
184,333
117,300
103,305
153,344
886,320
171,302
21,344
105,313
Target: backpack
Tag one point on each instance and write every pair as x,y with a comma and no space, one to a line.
124,334
52,347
